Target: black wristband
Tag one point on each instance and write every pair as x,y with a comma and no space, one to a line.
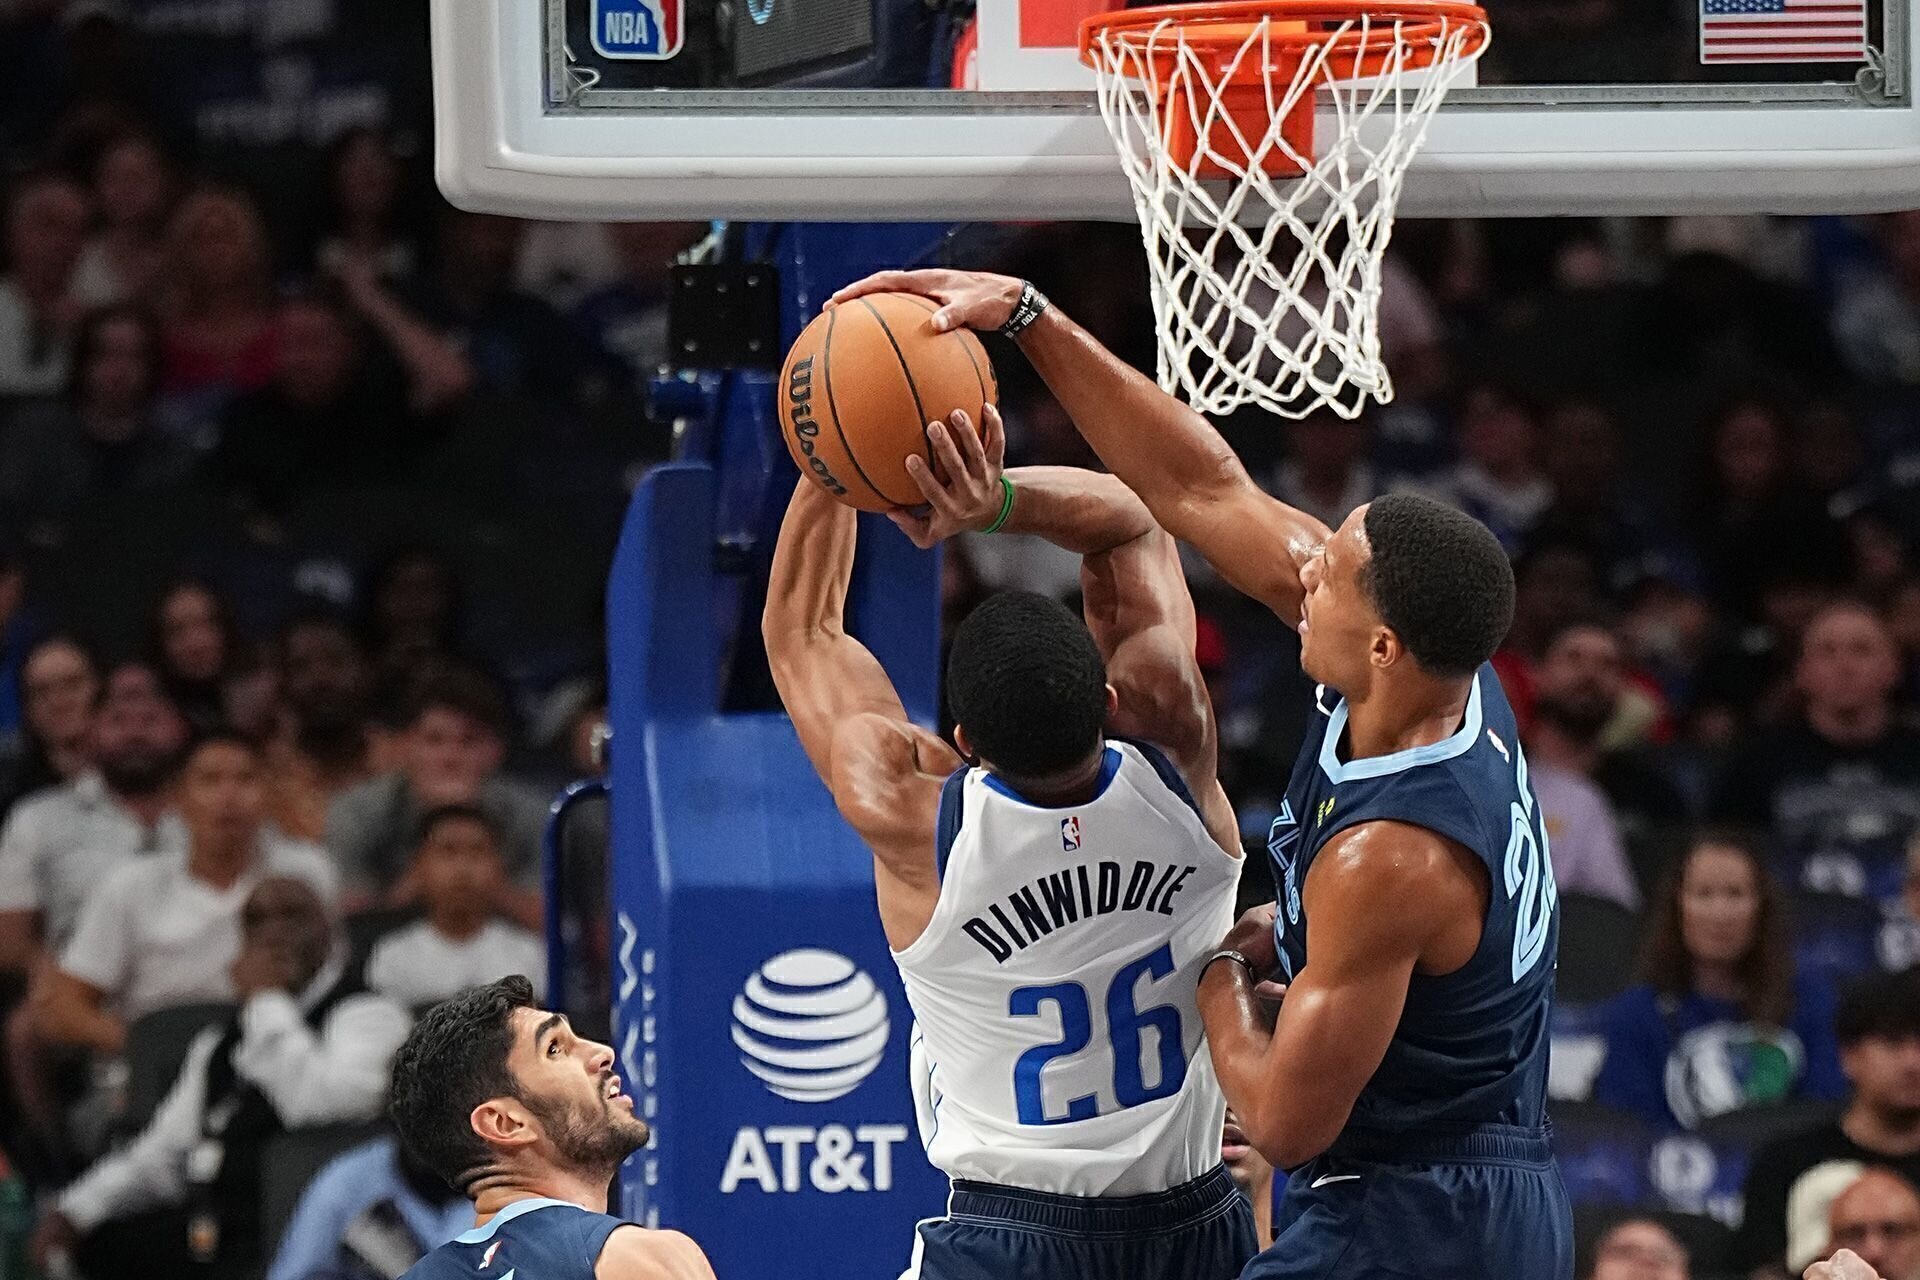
1238,957
1026,311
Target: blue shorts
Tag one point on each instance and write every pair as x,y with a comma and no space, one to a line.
1201,1230
1488,1205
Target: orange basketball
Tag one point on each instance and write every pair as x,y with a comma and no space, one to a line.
860,387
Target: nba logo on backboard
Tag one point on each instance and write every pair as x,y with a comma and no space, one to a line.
651,30
1070,833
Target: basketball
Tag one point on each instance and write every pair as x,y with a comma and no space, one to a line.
860,387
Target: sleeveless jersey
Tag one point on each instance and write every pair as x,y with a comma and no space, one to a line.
1471,1047
1054,988
540,1239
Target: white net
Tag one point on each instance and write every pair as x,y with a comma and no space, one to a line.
1265,248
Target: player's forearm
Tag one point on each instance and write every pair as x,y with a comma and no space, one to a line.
812,565
1289,1116
1081,511
1164,451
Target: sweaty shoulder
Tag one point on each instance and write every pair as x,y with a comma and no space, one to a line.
636,1253
1425,890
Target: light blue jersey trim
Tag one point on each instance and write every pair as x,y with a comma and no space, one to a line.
1109,766
1400,761
480,1235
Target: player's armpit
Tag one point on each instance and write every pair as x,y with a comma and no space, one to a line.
1386,899
635,1253
886,777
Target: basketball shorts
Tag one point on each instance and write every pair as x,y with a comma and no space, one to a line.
1484,1205
1201,1230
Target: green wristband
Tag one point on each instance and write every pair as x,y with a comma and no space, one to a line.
1006,506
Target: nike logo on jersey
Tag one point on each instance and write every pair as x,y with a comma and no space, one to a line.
486,1259
1315,1185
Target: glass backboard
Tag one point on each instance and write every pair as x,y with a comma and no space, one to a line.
861,110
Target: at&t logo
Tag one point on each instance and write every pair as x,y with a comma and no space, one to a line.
810,1025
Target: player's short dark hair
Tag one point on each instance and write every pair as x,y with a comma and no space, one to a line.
454,1059
1440,579
1883,1004
432,818
1027,683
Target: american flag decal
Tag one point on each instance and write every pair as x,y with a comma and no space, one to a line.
1733,31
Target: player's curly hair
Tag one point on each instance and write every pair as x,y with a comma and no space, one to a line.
455,1059
1440,579
1027,683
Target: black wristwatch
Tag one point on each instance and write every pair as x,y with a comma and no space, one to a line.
1026,311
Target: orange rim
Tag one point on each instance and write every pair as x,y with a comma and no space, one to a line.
1222,28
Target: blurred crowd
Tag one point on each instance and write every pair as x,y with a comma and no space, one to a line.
308,485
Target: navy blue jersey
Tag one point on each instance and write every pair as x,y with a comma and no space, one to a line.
1471,1047
539,1239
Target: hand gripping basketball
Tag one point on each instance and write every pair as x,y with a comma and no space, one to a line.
970,498
968,299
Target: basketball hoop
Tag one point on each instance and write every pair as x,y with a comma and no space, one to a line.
1265,230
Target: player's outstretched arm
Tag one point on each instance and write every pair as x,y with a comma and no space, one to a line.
884,771
1384,897
1168,454
635,1253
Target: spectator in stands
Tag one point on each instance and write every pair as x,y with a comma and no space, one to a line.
339,411
1719,1021
1639,1249
1594,717
163,930
308,1046
61,842
412,613
1756,522
102,439
371,1211
1252,1174
56,846
1553,581
1878,1028
59,687
1326,472
368,225
1577,690
626,321
1498,479
216,301
1840,788
1878,1218
1875,313
192,644
1591,508
459,879
133,192
451,750
320,748
46,227
517,344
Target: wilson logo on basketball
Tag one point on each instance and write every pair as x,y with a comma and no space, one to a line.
810,1025
805,430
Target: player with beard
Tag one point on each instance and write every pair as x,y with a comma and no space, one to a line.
525,1118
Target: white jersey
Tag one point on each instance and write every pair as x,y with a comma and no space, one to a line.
1058,1039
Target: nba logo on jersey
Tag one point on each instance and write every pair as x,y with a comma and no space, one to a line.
1070,833
650,30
